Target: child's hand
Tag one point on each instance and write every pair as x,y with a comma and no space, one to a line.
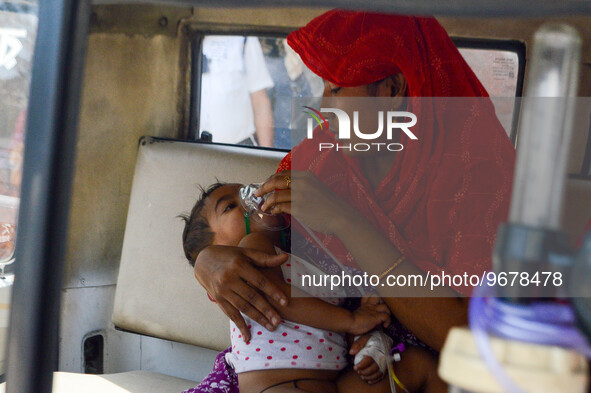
369,371
370,314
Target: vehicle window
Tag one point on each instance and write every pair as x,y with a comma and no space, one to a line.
18,26
499,66
248,83
247,87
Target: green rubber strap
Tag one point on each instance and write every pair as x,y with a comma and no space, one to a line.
283,240
247,222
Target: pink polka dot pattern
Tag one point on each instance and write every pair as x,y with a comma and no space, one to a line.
289,346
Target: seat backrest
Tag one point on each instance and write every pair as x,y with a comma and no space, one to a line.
157,293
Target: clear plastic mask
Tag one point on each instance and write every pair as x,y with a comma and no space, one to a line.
252,206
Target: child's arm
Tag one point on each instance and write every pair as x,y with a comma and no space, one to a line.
315,312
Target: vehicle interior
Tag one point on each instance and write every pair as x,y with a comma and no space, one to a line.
132,317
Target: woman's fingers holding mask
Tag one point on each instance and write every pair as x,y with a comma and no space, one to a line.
278,181
277,197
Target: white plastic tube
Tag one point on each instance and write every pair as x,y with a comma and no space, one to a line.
546,126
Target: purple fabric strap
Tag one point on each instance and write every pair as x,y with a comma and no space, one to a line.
222,378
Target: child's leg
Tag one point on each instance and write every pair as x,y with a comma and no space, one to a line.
287,381
351,382
300,386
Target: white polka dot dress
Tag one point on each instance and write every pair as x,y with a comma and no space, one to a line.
291,345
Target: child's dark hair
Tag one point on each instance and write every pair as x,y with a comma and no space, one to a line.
197,234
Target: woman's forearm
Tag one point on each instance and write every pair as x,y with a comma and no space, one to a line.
375,254
430,318
428,314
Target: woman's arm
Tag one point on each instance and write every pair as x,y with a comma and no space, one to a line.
428,314
311,311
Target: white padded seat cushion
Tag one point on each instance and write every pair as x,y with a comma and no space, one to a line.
129,382
157,294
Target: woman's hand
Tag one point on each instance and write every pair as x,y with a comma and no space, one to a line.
229,278
309,200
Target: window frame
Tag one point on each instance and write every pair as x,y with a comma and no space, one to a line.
196,40
515,46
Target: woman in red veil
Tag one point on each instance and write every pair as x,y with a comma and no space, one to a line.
431,208
438,202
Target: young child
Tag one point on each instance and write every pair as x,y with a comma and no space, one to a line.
308,349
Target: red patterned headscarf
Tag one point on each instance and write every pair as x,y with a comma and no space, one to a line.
443,199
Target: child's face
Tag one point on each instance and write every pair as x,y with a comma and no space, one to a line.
225,215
